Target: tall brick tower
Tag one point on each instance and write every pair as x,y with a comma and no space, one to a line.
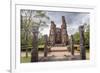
64,35
52,35
58,35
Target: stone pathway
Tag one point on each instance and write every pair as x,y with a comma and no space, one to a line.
60,54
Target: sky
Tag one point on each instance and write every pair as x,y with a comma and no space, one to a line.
73,20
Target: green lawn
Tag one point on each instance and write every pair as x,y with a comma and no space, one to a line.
25,60
40,46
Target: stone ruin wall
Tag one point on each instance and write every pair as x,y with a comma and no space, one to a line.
58,35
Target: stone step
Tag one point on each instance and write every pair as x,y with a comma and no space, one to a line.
58,45
59,49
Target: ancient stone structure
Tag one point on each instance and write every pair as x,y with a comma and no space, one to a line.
58,35
45,46
72,45
82,43
34,52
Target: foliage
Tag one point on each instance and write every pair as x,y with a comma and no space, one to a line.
31,19
25,60
41,40
76,38
86,35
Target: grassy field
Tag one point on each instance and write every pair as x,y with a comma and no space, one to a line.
40,46
25,60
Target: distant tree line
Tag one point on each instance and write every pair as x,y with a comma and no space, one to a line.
86,34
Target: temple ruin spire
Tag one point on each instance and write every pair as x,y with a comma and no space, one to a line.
63,22
58,35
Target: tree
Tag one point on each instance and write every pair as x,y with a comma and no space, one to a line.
26,19
76,38
86,35
41,18
41,40
30,19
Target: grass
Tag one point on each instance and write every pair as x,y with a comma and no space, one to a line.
25,60
40,46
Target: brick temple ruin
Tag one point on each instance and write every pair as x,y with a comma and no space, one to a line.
58,35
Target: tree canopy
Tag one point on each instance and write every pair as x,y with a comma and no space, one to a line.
31,19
